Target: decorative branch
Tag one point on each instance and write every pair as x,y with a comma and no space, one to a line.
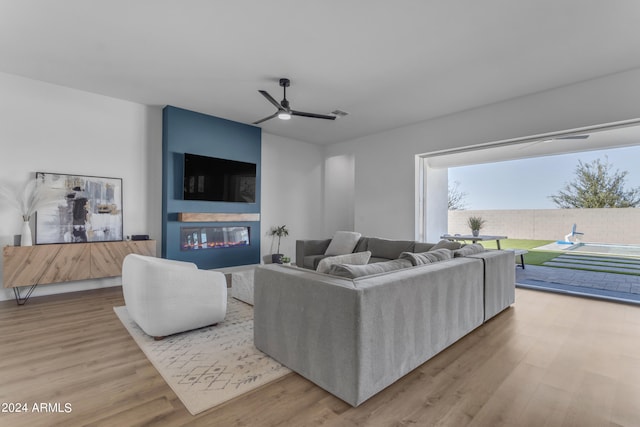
34,196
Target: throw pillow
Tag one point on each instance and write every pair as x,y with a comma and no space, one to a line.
353,271
446,244
427,257
468,250
343,242
357,258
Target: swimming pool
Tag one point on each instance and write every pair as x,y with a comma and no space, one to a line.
603,248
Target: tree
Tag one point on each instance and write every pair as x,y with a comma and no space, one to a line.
597,185
456,197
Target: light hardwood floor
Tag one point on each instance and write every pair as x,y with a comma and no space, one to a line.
550,360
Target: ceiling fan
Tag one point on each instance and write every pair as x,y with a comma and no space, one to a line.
572,137
284,111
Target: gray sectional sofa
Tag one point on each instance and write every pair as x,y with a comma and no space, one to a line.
355,336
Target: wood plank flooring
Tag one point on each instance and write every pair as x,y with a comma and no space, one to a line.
550,360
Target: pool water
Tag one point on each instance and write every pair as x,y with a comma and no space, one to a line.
601,248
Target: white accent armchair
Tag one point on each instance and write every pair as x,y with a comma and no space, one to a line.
165,297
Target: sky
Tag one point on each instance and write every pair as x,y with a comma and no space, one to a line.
528,183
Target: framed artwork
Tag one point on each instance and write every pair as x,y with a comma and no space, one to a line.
89,210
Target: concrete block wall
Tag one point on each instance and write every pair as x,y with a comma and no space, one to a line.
612,226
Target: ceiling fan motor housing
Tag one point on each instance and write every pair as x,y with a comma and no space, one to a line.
285,84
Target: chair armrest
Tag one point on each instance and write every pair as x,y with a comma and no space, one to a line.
310,247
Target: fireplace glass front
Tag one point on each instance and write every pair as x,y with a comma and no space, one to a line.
197,238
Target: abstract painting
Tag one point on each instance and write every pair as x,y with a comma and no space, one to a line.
89,210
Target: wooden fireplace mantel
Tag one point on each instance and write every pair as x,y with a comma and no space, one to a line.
217,217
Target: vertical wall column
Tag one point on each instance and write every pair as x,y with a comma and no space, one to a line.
190,132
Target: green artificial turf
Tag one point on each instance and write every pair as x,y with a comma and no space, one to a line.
531,258
539,257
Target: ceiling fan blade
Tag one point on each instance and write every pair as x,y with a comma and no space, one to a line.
312,115
270,99
531,144
574,137
266,118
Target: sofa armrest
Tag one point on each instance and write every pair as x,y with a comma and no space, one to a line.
499,281
310,247
309,322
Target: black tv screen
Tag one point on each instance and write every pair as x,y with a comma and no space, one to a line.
218,180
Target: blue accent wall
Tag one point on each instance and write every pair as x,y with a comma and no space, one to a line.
190,132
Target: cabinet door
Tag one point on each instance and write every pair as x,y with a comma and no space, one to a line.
107,257
70,263
41,264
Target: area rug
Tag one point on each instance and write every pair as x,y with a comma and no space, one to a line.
212,365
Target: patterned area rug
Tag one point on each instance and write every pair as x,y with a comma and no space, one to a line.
212,365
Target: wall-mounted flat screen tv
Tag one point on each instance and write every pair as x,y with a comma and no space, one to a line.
218,180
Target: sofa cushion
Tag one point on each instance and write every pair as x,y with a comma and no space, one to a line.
447,244
362,244
468,250
389,249
351,271
427,257
343,242
420,247
356,258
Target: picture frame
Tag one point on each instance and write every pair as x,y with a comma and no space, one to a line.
89,210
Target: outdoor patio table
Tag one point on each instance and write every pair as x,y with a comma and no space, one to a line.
474,239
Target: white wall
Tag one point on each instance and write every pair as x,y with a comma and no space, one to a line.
49,128
292,189
385,164
339,202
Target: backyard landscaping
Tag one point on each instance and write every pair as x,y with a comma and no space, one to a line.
564,259
531,258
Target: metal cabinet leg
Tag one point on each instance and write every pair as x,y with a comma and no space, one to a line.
20,300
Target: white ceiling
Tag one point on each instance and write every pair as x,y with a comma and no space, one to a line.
387,63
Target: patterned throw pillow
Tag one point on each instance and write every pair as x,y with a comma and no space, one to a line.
446,244
357,258
427,257
469,250
353,271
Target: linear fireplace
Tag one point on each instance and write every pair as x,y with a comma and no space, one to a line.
216,237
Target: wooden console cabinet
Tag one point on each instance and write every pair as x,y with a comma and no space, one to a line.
46,264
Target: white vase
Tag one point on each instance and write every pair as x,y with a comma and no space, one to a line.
26,240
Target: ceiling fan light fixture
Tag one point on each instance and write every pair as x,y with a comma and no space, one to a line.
284,115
